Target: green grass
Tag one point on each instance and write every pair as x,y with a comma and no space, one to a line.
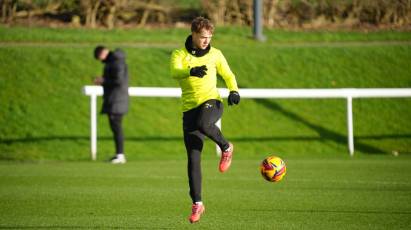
223,35
44,116
44,122
371,192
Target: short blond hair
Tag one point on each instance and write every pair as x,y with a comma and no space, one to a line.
200,23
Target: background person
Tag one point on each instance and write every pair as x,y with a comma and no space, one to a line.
115,98
196,67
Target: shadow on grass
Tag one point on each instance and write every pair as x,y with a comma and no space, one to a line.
330,211
85,138
180,138
72,227
323,132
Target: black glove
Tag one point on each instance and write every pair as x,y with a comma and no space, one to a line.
198,71
233,98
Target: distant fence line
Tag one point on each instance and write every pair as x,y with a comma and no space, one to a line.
346,93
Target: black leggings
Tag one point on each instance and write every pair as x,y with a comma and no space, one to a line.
117,129
198,123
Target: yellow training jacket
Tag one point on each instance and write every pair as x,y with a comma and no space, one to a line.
195,90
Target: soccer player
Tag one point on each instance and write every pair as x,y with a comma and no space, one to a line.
195,67
115,98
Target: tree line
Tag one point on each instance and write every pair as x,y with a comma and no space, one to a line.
276,13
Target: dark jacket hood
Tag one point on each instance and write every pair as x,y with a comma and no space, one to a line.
117,54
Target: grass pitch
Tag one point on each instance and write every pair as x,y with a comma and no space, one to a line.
367,192
44,118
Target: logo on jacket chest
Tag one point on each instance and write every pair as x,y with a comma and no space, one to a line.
208,105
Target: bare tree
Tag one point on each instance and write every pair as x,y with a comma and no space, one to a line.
8,10
90,9
215,9
154,8
110,8
276,13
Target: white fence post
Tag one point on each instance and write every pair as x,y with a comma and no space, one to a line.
350,126
93,117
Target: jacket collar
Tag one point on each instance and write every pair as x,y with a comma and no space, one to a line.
109,58
193,51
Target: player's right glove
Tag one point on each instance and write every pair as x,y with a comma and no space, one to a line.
198,71
233,98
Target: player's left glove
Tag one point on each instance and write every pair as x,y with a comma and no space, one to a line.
233,98
198,71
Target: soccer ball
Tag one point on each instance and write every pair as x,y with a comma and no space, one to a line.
273,169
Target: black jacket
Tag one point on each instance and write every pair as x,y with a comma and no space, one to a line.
115,99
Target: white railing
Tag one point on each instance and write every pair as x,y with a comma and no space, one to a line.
348,94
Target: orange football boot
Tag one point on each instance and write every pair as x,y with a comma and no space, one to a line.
196,211
225,160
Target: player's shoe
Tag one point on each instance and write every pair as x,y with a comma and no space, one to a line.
226,157
118,159
196,211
